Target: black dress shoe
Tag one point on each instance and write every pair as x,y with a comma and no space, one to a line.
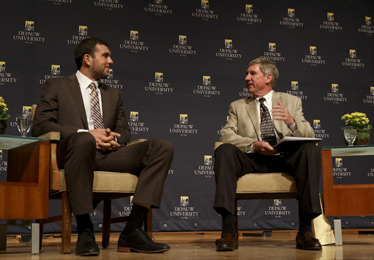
227,242
139,241
86,244
308,242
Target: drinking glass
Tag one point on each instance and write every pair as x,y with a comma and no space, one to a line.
350,134
24,123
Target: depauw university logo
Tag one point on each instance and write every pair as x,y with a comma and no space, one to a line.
134,35
291,12
372,90
82,30
29,26
134,116
368,20
26,110
249,9
159,77
352,54
55,70
1,155
184,201
228,44
206,81
317,124
338,162
110,75
205,4
182,40
183,119
272,47
294,85
208,160
334,88
277,202
313,50
158,2
330,17
2,66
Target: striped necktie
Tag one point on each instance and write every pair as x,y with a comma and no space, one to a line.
95,107
267,128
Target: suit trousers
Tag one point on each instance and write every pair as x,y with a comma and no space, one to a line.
304,163
149,160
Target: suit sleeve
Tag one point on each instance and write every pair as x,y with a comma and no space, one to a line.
229,134
46,114
122,125
303,126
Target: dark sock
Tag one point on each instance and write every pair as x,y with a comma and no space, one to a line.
227,221
136,219
305,225
84,222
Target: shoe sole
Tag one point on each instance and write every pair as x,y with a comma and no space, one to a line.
299,246
131,249
227,248
88,254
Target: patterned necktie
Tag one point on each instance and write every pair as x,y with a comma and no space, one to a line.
95,107
267,128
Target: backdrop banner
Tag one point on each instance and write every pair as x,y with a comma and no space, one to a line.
179,64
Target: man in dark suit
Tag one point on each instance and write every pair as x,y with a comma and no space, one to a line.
248,148
94,133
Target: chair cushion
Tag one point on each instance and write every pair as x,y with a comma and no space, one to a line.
266,183
108,182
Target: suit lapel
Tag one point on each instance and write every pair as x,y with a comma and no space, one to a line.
105,103
253,115
77,97
278,124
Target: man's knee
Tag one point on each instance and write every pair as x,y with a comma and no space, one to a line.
163,145
82,141
311,148
224,149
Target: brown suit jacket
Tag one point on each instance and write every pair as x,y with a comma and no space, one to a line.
61,109
243,126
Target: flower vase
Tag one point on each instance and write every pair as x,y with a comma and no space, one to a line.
3,125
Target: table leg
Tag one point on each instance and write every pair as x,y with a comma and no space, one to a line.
338,232
3,234
35,247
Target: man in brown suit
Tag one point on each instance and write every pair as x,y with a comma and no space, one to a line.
248,148
94,133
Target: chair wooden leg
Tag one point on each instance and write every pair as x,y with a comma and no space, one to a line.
236,218
40,232
148,223
66,224
3,237
106,223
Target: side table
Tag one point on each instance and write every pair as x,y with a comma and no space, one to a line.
25,193
347,199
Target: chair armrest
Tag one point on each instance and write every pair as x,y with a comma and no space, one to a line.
51,136
136,141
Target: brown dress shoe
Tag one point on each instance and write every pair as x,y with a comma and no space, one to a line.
308,242
227,242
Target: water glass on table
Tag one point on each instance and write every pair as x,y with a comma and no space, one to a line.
24,123
350,134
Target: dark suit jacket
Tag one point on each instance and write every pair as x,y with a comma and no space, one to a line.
243,126
61,109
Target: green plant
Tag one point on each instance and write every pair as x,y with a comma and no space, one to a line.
3,115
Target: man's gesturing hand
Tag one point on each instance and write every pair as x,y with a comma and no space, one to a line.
279,112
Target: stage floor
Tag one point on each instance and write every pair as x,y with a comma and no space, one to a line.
201,246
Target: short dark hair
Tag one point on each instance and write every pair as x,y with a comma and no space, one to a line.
87,46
